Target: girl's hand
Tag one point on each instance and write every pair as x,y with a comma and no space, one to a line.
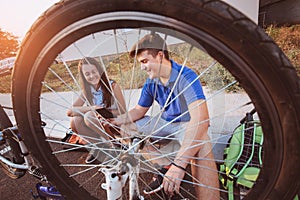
115,121
69,112
97,107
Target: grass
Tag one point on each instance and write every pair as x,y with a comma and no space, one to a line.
287,38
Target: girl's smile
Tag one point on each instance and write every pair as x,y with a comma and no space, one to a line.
91,74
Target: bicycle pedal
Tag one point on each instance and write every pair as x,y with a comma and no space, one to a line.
45,192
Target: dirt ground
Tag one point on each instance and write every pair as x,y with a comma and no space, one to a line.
17,189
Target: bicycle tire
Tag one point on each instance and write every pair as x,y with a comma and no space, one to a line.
12,172
5,121
252,57
14,154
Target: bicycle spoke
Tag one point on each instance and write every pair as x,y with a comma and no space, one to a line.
155,156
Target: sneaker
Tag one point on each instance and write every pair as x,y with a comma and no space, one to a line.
72,142
68,135
90,157
99,155
156,184
78,147
93,156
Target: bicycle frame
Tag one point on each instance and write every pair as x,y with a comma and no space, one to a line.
11,134
8,132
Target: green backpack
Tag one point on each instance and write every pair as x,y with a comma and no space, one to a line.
242,157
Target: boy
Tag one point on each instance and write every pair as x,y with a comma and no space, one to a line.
179,93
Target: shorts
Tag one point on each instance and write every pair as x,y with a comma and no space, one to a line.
161,130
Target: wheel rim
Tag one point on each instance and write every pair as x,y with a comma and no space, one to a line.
48,52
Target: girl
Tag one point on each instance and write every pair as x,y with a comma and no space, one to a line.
97,92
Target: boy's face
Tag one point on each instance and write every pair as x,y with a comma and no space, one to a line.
152,65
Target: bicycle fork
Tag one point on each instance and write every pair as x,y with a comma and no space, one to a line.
116,177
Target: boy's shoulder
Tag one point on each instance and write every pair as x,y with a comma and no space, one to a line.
178,68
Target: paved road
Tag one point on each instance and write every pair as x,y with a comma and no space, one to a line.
19,189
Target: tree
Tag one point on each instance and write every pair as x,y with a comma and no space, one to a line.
9,45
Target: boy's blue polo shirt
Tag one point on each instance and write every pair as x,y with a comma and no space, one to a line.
192,91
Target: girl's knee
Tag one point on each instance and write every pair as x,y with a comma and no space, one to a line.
75,122
89,118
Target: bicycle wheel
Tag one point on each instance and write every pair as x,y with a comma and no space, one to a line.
211,36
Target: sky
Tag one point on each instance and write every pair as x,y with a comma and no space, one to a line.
17,16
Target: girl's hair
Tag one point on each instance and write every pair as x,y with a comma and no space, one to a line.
104,83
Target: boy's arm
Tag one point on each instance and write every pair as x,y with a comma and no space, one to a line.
131,116
195,134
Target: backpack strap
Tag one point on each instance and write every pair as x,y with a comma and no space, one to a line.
242,155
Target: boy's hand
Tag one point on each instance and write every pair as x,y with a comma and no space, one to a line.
172,180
